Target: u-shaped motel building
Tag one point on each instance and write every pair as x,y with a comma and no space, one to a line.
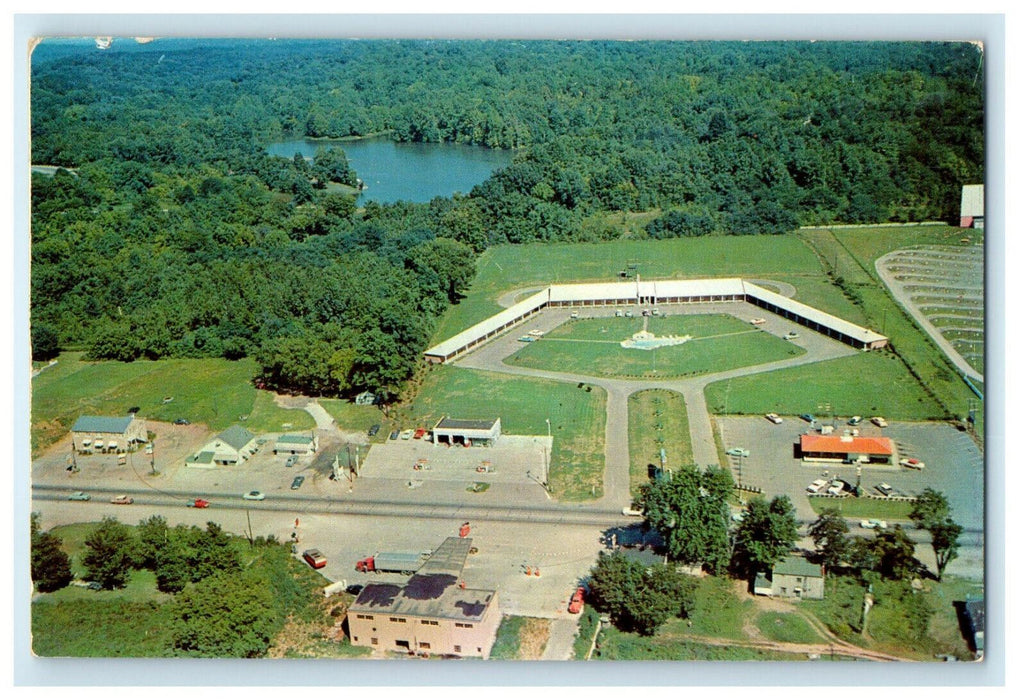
651,293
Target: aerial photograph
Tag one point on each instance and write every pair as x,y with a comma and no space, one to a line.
522,350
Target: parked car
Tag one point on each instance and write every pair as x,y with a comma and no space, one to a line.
122,500
577,601
878,421
816,486
912,463
738,452
758,321
79,496
394,435
181,421
253,496
297,482
791,336
419,433
291,461
774,418
314,558
854,420
373,430
874,524
884,488
632,511
836,488
808,417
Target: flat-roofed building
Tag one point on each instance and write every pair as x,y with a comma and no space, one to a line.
433,613
454,431
233,446
847,448
107,433
295,444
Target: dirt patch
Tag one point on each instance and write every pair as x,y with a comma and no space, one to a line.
534,635
287,401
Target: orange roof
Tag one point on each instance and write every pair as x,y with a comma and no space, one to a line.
843,444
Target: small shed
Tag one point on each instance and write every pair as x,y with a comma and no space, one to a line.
466,432
295,444
365,399
972,207
796,577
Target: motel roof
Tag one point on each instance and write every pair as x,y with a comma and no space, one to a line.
844,444
813,314
102,424
478,330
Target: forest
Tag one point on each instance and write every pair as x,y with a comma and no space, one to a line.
167,230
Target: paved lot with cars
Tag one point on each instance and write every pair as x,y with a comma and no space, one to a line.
954,463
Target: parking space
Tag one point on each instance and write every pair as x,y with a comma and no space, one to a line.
954,464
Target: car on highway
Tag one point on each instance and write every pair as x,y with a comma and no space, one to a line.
912,463
200,503
884,488
854,420
181,421
774,418
291,461
297,482
79,496
874,524
253,496
816,486
373,430
808,417
122,500
878,421
577,601
738,452
315,559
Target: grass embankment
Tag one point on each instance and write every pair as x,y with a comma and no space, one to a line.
577,416
657,420
873,383
851,253
212,391
504,268
135,621
786,627
520,638
592,347
349,416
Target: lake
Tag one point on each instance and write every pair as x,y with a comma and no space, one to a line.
411,172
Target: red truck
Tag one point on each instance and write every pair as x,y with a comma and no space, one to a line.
577,601
400,562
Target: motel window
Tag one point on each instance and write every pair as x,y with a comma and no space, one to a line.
356,639
457,648
425,645
374,641
397,619
465,624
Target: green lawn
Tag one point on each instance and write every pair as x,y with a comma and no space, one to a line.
871,383
212,391
786,627
876,508
615,645
349,416
657,419
577,417
592,347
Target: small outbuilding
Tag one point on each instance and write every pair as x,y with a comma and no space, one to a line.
106,434
233,446
295,444
972,207
453,431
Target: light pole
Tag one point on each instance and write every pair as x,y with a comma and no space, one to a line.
545,476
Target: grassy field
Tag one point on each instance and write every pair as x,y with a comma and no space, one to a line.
877,508
657,419
504,268
211,391
592,347
786,627
520,638
349,416
852,253
577,417
615,645
874,383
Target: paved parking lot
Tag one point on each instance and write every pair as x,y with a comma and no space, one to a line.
954,464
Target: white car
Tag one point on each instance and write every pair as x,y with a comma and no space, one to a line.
253,496
774,418
836,488
758,321
874,524
631,511
878,421
816,486
912,463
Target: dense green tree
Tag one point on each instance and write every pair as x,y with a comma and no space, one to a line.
767,532
639,598
111,553
830,536
51,565
895,553
45,343
227,615
930,507
153,535
931,512
944,540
